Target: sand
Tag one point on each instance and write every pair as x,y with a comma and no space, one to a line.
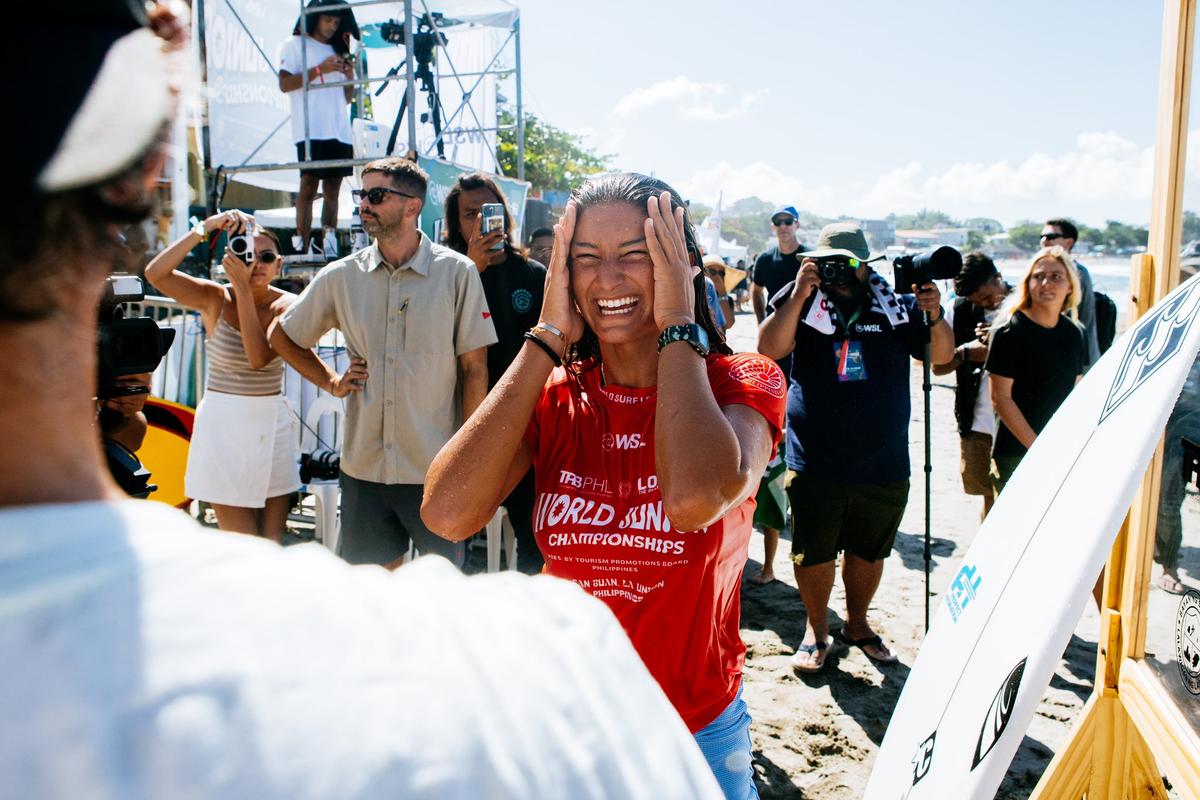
817,736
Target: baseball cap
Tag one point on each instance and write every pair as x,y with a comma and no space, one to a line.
843,239
110,98
789,210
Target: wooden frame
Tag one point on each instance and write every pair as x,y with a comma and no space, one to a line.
1131,731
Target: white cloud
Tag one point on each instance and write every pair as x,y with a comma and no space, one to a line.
692,99
756,179
1104,176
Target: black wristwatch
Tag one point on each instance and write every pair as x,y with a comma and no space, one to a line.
692,333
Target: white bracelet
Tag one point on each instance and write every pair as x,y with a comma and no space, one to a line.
553,330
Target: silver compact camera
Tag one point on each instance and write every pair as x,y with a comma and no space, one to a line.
242,244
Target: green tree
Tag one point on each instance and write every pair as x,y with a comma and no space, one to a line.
976,240
554,159
1026,235
1191,226
925,219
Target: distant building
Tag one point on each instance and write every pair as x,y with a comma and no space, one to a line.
881,233
998,246
923,240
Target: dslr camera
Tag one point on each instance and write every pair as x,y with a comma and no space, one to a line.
127,346
836,270
940,265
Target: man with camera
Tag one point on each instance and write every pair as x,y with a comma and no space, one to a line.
145,656
851,340
980,290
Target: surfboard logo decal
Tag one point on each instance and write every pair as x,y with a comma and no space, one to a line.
998,713
923,760
1187,641
1155,340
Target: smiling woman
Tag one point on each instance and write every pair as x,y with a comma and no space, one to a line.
647,438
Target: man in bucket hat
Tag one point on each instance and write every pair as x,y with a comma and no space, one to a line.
851,339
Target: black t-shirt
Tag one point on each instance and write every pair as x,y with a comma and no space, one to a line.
773,269
513,289
852,431
1043,364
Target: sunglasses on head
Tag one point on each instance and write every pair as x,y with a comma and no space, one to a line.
780,222
377,195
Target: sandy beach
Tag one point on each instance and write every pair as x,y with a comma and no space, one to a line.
817,736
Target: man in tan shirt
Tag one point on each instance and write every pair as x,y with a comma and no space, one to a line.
417,327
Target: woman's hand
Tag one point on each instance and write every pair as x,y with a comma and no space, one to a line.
558,306
479,246
232,222
237,271
674,294
354,379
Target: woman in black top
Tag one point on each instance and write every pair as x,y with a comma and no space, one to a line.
1035,358
513,286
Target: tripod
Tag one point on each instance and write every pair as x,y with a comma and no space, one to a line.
425,41
927,390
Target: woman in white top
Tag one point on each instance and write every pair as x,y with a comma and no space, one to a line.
243,454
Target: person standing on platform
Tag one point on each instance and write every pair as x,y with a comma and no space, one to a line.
323,49
513,286
1063,233
418,329
980,290
852,341
774,268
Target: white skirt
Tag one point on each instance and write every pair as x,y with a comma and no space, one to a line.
244,450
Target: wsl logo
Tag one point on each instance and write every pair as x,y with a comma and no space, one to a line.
1154,341
999,712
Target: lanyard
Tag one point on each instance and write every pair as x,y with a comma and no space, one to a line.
845,351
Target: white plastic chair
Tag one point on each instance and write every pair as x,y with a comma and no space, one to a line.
498,530
328,522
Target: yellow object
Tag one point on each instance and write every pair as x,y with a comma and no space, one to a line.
164,451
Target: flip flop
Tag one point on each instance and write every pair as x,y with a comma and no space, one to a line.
863,644
817,651
1169,584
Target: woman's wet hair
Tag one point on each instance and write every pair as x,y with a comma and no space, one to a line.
634,190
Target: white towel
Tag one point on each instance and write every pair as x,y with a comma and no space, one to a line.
822,314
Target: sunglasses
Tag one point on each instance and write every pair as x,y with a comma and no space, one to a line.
1050,237
266,257
720,273
377,195
783,222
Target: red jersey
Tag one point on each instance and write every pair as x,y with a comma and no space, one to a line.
599,521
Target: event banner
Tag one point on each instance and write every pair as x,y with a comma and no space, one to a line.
442,176
249,117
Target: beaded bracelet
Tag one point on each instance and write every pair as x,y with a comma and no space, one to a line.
547,349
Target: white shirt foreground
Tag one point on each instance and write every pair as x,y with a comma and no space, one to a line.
144,656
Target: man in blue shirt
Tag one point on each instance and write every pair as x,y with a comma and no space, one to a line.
851,339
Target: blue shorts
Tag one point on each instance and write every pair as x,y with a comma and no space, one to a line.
725,743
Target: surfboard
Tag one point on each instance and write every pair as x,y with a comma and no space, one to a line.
1009,611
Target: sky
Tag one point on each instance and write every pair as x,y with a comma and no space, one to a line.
1014,110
